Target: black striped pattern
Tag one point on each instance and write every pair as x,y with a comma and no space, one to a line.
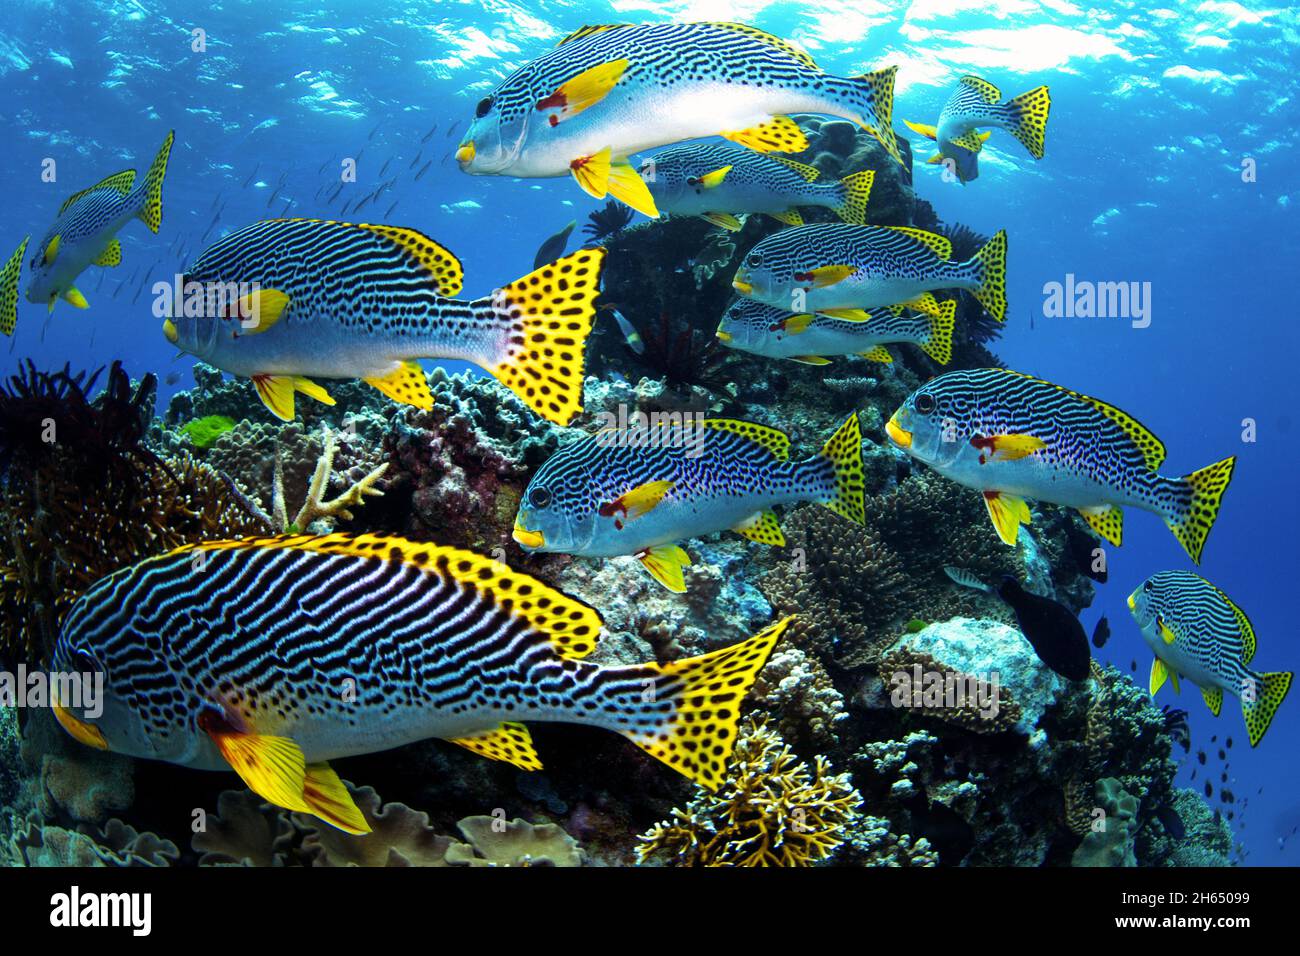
877,251
1209,626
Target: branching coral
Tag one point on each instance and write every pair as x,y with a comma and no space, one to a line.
314,508
774,811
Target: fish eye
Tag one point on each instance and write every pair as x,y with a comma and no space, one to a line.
539,497
924,403
83,661
1146,586
484,106
754,260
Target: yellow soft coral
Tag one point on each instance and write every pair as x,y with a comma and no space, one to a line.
774,811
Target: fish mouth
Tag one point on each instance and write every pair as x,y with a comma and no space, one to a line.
897,434
169,330
529,539
723,336
88,734
466,153
1132,601
741,286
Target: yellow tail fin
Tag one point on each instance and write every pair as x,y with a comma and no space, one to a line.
1028,119
696,733
844,451
857,191
151,211
9,289
1192,522
938,345
1259,713
991,271
547,317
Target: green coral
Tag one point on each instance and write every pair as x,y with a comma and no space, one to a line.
202,432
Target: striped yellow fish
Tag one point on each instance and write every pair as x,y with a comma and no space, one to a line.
272,656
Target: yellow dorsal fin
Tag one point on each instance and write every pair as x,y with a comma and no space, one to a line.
510,743
762,527
790,217
572,626
445,269
666,563
711,180
1008,513
263,309
274,769
773,439
111,256
1151,447
583,91
1159,674
587,31
785,46
1106,521
809,173
780,134
1247,629
936,243
724,219
121,183
9,289
877,354
405,384
983,87
922,129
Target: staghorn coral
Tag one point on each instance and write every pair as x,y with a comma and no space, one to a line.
314,508
491,841
774,811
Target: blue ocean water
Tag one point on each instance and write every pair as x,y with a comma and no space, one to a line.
1165,165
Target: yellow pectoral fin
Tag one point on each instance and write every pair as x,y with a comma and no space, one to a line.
643,499
1008,513
715,178
626,185
810,360
583,91
1159,673
1107,522
406,384
510,743
52,250
780,134
260,310
824,276
111,256
724,219
73,296
665,564
1165,633
762,527
878,354
921,129
847,315
1010,447
795,324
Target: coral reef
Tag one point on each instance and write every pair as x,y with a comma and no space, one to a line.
1109,841
774,811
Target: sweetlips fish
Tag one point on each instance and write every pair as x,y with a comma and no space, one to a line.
638,490
807,337
1197,632
85,231
285,301
976,104
272,656
1012,436
714,182
828,267
611,90
9,288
